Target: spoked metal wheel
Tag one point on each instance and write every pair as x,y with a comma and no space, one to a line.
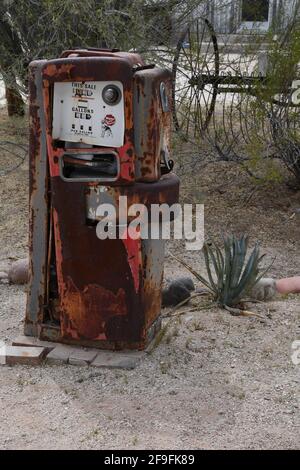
196,68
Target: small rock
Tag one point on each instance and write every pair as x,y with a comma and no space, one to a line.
187,282
177,291
264,290
19,272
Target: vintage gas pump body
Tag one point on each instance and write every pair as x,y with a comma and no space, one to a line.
86,149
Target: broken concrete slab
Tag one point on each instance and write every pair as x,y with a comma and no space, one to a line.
81,357
59,355
117,360
64,354
23,355
32,341
30,350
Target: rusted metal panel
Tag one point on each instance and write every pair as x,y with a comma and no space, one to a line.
38,225
109,289
97,285
103,293
152,123
133,58
153,270
163,191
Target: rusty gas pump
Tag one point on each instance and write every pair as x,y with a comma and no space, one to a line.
100,128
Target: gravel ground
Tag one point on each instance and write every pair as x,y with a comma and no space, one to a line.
214,381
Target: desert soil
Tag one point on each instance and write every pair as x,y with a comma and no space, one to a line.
213,382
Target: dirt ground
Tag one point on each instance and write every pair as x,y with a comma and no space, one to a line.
214,382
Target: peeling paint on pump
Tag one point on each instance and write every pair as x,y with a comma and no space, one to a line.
102,293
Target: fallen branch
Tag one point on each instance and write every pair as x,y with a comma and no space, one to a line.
183,302
195,309
237,312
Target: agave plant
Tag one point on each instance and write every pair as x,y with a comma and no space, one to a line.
231,274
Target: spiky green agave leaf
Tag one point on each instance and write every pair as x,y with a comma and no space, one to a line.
230,276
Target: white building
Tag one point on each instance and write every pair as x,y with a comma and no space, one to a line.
232,16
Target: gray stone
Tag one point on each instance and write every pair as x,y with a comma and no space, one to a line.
264,290
175,293
117,360
18,272
24,355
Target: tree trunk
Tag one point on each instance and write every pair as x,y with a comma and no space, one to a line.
10,49
15,104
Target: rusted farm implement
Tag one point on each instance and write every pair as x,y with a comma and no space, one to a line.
221,94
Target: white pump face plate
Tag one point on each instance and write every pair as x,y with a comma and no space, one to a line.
81,115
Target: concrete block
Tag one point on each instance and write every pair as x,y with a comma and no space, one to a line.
59,355
63,354
81,357
23,355
117,360
2,353
32,341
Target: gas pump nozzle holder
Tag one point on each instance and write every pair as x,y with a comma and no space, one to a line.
100,124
